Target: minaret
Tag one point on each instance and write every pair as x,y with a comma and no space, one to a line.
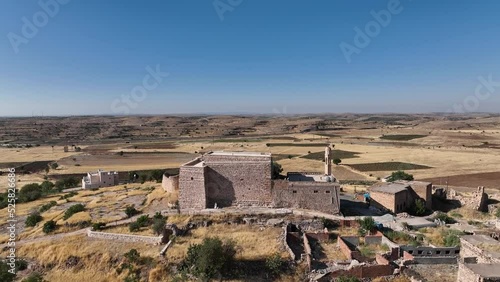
328,161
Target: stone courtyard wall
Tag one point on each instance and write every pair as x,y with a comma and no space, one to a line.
125,237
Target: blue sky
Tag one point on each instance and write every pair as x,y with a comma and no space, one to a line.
263,56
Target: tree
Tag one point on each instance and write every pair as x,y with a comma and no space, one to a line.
276,169
49,226
158,225
33,219
54,165
210,258
156,175
399,175
337,161
418,208
366,225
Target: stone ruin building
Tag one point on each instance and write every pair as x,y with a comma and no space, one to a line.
398,196
223,179
479,259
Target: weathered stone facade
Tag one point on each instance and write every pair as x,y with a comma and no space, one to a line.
222,179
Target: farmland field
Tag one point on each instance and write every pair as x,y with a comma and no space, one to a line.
387,166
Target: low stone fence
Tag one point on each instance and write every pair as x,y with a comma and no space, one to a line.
125,237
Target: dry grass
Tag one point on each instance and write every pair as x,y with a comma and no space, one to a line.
251,241
97,257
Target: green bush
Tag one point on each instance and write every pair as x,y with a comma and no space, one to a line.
5,275
98,226
210,258
72,210
33,219
49,226
275,264
47,206
143,220
366,225
451,238
134,227
130,211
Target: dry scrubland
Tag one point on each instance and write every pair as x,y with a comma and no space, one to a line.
459,145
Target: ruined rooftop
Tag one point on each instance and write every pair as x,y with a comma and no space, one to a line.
485,270
485,243
389,188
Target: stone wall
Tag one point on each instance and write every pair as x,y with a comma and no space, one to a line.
243,183
192,180
469,251
383,201
319,196
125,237
170,183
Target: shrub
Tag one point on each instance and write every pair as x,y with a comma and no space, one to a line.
444,218
47,206
134,227
133,256
210,258
72,210
337,161
33,219
98,226
5,275
54,165
275,264
144,220
347,279
49,226
451,238
34,277
130,211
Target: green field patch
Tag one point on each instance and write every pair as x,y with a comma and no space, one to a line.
336,154
402,137
237,140
387,166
